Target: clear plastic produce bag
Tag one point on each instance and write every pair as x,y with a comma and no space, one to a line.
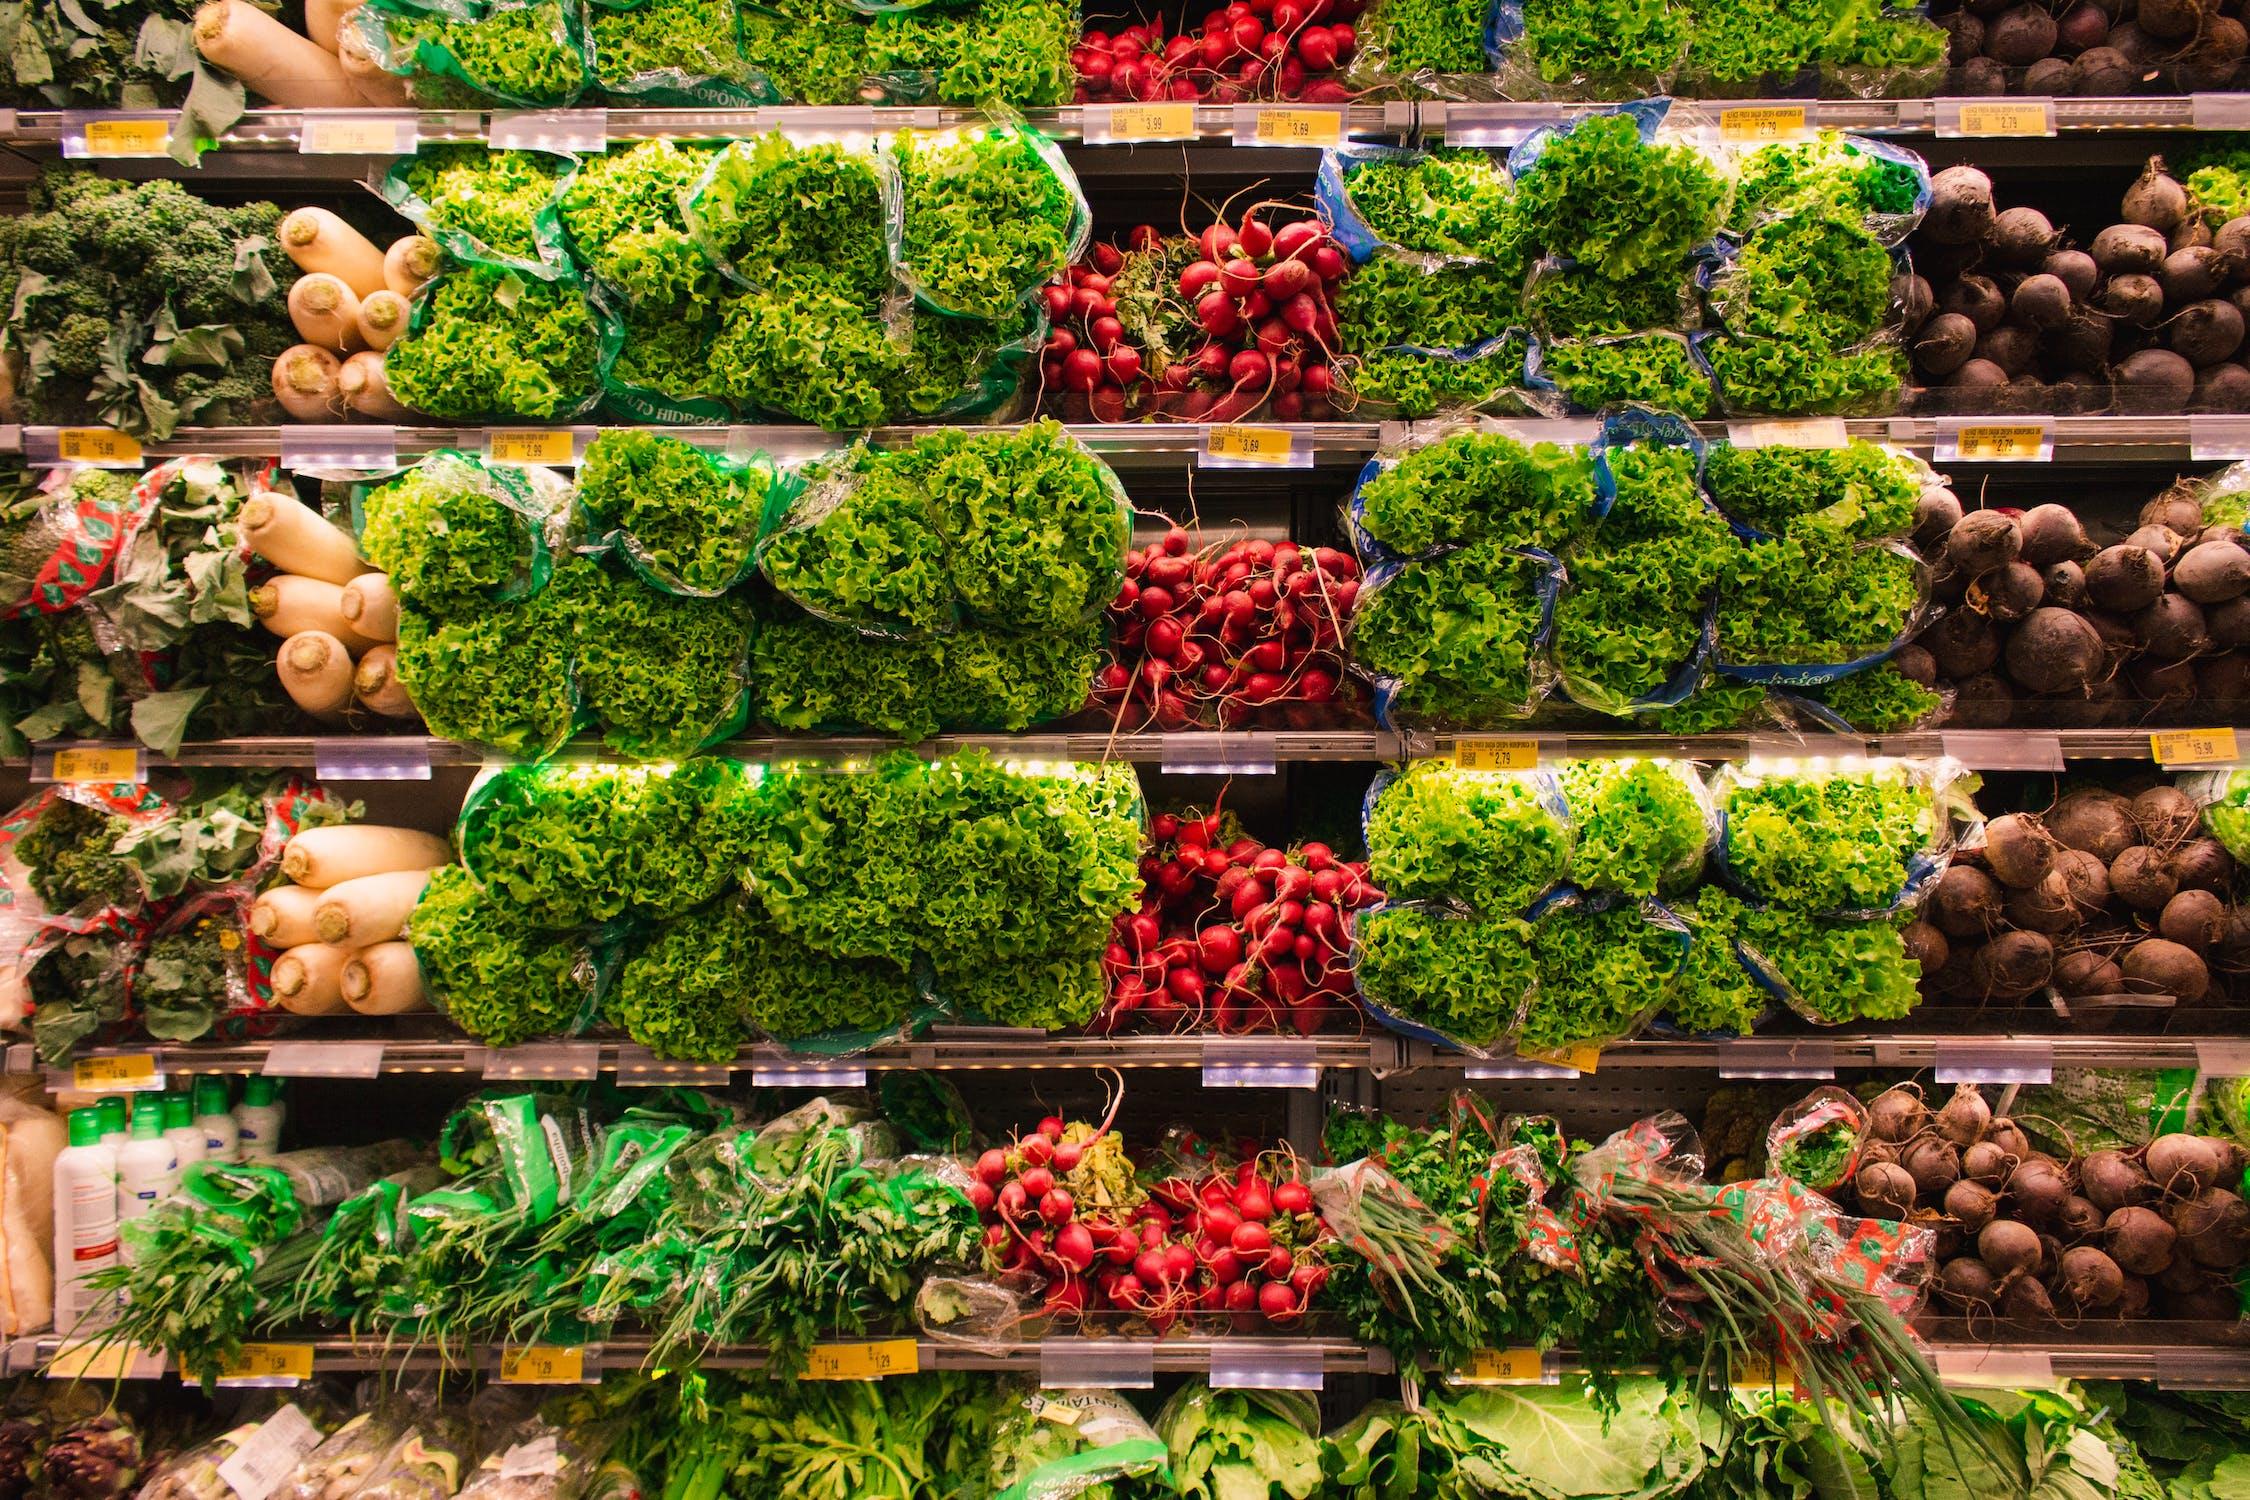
1639,826
60,542
858,545
1495,841
482,345
1839,836
1458,640
1439,973
453,532
1566,49
1606,965
1886,186
1811,607
960,187
1817,1139
1413,382
1781,377
671,52
1660,370
1373,198
684,518
522,54
1445,484
467,180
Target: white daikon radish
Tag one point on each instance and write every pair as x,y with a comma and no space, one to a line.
369,909
375,682
326,312
382,318
297,539
316,671
288,604
366,390
370,604
319,241
273,62
338,852
411,261
305,383
283,916
384,980
308,980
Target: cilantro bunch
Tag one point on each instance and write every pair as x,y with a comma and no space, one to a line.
1864,489
1651,369
1475,486
1495,842
1826,838
500,979
622,212
497,205
1444,202
452,533
990,217
486,342
1813,597
688,521
1638,826
1411,383
664,674
1459,634
1601,973
1464,978
1600,195
812,675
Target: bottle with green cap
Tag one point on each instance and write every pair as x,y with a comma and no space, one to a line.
221,1142
148,1168
181,1130
85,1216
258,1118
117,1121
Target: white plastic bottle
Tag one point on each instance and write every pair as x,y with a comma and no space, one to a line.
149,1167
181,1130
221,1142
85,1217
258,1118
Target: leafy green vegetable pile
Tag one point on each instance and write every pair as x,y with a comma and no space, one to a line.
487,343
786,902
989,217
451,533
687,521
1830,837
496,207
1474,487
1457,638
1568,48
670,52
457,54
139,306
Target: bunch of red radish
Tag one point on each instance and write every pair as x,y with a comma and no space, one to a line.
1234,935
1244,1243
1251,49
1246,636
1247,321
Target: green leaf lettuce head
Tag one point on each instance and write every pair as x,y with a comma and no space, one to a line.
1457,634
859,545
791,991
1445,202
503,202
1579,302
1862,488
808,217
1810,277
688,521
1388,301
812,675
1649,369
1406,37
1631,618
1465,978
990,53
665,674
1789,377
1832,174
806,51
655,48
1046,992
1638,826
519,52
1601,196
579,845
680,992
1035,527
1715,993
1409,383
452,534
1813,598
1494,840
487,343
1477,486
990,217
1601,974
1604,44
1827,839
1880,700
494,674
622,212
501,979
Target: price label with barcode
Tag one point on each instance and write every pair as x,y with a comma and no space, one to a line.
268,1364
1995,442
1492,752
868,1361
127,137
2193,747
1504,1367
1238,446
98,447
1995,117
131,1074
542,1364
1586,1057
1293,127
530,445
1749,124
1102,124
97,765
270,1454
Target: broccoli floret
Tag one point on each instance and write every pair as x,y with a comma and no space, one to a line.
234,399
76,350
49,245
61,188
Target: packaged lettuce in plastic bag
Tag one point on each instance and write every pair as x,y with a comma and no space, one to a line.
489,208
1786,377
663,371
453,533
1429,209
1639,827
685,519
1829,970
1660,370
1421,50
809,674
1606,964
1437,972
621,212
497,675
1458,640
678,52
1055,1445
859,545
524,54
487,344
991,215
775,211
500,978
1495,841
1034,524
1812,606
1884,186
1838,836
1446,485
1412,382
663,674
1565,300
1617,191
1573,49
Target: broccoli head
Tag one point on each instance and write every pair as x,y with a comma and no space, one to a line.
75,350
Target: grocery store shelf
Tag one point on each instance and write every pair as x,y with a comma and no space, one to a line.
1066,1360
2091,439
2014,1056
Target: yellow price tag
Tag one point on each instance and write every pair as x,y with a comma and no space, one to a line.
1801,432
1060,1413
114,1075
870,1361
1255,445
542,1364
99,446
1300,127
2013,441
1503,1367
2193,747
1151,122
530,445
127,137
2007,117
1586,1057
348,137
1751,123
101,764
263,1362
1493,752
92,1360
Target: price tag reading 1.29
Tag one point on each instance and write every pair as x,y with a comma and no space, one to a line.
2194,747
1504,1367
542,1364
870,1361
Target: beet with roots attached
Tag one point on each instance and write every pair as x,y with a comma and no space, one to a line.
2111,1180
2124,578
2041,301
2055,651
2182,1165
1961,210
2095,820
2223,387
2078,1219
2139,1239
2155,199
1965,903
2142,878
1977,298
2014,965
2191,274
2007,593
2164,814
2010,1248
1925,945
1886,1191
1915,664
2130,250
2013,348
2075,269
2020,37
2214,1228
2229,623
1983,540
2104,71
2065,586
2088,1278
2161,541
2203,865
2052,534
2172,628
2037,1190
1933,1163
2160,966
2152,381
1963,644
2135,296
2018,850
2086,972
1944,343
2045,907
2213,572
1972,1203
1967,1284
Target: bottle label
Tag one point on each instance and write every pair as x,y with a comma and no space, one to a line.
106,1250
